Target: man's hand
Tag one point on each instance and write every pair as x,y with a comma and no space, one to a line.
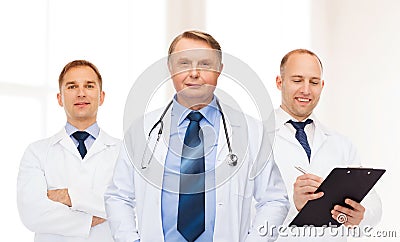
304,189
349,216
60,195
97,221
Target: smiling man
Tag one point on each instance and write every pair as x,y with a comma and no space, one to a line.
301,140
62,179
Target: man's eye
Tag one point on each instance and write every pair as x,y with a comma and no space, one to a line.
296,80
314,83
183,63
90,86
71,87
205,64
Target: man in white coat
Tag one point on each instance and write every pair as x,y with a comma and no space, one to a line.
302,141
151,200
62,179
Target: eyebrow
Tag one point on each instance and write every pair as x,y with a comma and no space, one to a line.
300,76
182,59
74,82
70,83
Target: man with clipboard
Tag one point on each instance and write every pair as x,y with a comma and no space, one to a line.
302,141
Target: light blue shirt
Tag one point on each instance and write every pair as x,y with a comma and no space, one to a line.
210,125
93,130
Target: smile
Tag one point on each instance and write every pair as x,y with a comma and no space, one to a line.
303,99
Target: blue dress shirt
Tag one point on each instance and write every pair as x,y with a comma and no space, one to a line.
210,125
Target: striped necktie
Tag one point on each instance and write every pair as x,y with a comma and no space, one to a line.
301,136
191,207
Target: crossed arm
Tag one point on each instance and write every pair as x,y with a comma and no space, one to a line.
52,211
62,196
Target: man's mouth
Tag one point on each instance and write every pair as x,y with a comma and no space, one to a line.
81,103
303,100
193,85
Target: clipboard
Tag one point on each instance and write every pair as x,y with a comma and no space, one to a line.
341,183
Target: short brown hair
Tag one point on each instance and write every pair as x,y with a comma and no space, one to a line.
78,63
196,35
297,51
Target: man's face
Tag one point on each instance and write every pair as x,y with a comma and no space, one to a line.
301,85
80,96
195,68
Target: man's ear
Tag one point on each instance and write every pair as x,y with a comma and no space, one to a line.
59,98
220,69
102,95
279,80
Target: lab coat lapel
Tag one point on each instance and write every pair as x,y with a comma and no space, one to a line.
155,170
223,192
100,144
287,135
64,140
320,137
222,147
163,145
234,125
155,174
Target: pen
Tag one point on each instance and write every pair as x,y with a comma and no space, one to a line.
301,169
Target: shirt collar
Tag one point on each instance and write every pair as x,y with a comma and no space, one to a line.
93,129
282,117
209,112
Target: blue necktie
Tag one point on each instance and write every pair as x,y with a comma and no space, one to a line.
81,136
301,136
191,215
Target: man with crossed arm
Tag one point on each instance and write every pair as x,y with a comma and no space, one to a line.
62,179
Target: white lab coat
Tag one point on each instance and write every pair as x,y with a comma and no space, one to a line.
131,198
329,150
55,163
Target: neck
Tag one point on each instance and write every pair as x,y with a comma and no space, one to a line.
297,117
81,125
194,103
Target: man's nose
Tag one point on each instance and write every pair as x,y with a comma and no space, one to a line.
194,71
305,89
81,91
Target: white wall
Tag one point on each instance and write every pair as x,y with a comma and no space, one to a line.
359,44
38,38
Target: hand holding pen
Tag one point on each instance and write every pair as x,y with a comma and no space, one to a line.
304,188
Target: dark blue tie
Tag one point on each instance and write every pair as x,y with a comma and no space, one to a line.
81,136
191,215
301,136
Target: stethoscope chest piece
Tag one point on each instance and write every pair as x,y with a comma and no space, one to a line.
231,159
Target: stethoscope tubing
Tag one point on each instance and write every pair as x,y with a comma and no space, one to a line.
231,156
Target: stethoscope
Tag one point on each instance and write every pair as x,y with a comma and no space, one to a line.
231,158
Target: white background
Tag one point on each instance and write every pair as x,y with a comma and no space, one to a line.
357,40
